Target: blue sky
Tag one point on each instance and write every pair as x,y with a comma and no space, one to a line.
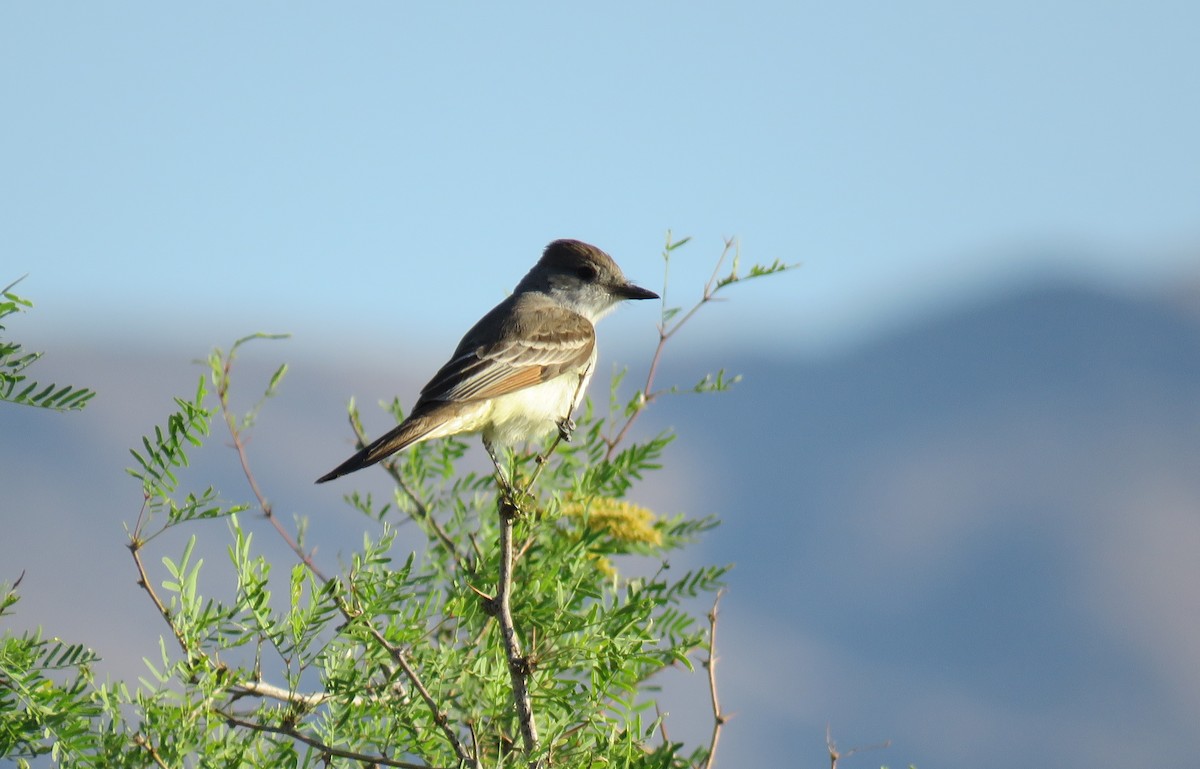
187,174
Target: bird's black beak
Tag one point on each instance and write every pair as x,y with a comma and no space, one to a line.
630,291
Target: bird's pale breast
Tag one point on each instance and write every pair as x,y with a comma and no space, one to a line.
533,412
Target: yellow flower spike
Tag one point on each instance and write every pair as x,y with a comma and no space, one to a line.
625,521
604,565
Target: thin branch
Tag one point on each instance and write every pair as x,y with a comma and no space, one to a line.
662,725
264,689
474,736
135,550
667,329
665,333
835,755
524,548
400,656
240,446
328,750
719,717
145,744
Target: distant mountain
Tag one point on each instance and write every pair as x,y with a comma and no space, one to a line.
976,537
988,525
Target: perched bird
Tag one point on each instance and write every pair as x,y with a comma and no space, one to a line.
523,368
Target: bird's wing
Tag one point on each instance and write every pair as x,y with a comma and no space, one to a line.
499,358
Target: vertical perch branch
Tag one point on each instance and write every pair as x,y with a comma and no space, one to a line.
719,717
518,665
508,507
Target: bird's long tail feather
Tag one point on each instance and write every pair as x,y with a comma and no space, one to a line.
400,437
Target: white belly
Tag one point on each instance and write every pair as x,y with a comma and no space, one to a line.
534,412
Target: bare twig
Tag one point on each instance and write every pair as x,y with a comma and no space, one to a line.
135,550
665,332
835,755
662,725
288,731
474,737
264,689
239,445
719,717
668,329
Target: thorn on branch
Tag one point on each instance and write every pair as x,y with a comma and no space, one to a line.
490,606
835,755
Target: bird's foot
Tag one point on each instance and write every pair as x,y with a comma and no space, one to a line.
566,426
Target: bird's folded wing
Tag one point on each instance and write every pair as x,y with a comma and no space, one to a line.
550,342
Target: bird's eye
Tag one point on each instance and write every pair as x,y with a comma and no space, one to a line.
586,272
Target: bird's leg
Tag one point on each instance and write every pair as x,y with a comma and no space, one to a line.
566,425
505,486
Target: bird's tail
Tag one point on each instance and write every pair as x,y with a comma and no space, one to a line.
403,435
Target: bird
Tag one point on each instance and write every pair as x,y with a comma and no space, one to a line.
521,371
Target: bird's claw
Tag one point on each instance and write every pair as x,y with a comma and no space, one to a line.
566,426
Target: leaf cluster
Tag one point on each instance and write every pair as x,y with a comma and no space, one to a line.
45,707
15,387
